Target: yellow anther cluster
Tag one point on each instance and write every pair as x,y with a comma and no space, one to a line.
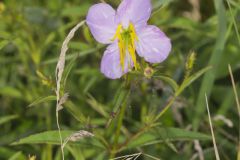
126,42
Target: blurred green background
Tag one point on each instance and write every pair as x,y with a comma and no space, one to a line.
31,35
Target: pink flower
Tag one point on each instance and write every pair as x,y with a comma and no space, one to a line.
127,32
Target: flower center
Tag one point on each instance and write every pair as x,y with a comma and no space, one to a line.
126,42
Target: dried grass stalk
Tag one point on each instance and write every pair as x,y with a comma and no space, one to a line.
62,100
77,136
212,132
198,148
58,73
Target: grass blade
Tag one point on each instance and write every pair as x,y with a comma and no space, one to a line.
215,58
42,100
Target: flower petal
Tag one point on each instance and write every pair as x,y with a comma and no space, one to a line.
153,45
101,21
136,11
110,64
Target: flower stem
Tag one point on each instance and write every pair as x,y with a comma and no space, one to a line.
118,131
169,104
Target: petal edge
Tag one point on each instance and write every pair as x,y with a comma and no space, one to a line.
110,64
136,11
101,21
153,45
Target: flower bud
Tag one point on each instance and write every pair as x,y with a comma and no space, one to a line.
148,72
190,60
190,63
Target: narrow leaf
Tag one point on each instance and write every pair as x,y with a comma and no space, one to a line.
17,156
97,106
48,137
10,92
170,81
162,135
52,137
214,60
192,78
42,100
6,119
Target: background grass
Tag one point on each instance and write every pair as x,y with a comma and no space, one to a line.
31,35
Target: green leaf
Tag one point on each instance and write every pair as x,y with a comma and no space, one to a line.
73,55
227,101
188,24
191,79
48,137
52,137
161,135
90,83
76,152
6,152
68,69
79,46
17,156
214,60
6,119
119,98
97,106
42,100
10,92
169,80
75,112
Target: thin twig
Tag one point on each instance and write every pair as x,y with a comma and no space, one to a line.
213,137
58,73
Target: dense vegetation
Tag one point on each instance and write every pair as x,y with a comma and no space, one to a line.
159,116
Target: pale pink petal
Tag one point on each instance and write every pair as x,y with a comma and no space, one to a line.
135,11
153,45
110,64
101,21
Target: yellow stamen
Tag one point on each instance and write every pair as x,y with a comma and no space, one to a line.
133,55
126,42
132,47
118,32
133,34
122,51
